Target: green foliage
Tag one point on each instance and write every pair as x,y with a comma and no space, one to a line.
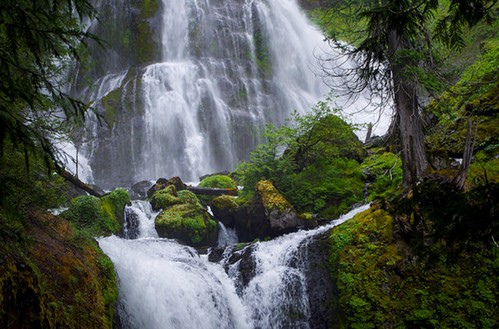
378,287
387,169
38,39
330,187
22,191
218,181
165,198
312,162
96,216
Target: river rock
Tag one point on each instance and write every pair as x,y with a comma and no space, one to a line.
139,190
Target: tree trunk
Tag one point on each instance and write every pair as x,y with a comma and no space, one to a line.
460,179
414,160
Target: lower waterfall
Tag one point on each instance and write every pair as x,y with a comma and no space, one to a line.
164,284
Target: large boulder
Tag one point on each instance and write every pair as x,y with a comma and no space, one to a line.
183,218
266,214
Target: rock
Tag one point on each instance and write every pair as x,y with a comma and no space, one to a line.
163,182
139,190
320,287
189,223
165,198
237,260
267,214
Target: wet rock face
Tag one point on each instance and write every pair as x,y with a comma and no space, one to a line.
320,287
237,262
312,255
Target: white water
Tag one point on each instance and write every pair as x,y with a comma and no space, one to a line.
202,106
167,285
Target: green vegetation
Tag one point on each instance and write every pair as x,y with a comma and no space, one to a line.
183,217
262,54
165,198
52,275
383,281
386,168
315,163
218,181
98,216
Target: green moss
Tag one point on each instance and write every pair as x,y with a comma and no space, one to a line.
186,196
188,223
50,281
96,216
218,181
165,198
111,103
272,199
225,202
382,283
387,169
262,54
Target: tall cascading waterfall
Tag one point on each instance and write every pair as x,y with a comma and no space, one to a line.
167,285
186,87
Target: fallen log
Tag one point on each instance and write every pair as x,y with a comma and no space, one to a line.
78,183
212,191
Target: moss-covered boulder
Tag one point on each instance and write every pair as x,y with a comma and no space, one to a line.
189,223
267,213
218,181
165,198
98,216
182,216
163,182
280,214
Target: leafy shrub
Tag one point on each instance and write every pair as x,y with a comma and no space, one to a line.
314,162
96,216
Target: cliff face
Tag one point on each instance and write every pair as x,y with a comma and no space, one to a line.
53,276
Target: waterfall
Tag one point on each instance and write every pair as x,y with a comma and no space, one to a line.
167,285
187,86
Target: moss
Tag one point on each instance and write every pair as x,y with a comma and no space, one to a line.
111,103
186,196
165,198
225,202
54,280
96,216
218,181
187,222
146,48
383,283
272,199
262,54
386,169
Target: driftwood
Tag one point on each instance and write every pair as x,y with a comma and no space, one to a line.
78,183
212,191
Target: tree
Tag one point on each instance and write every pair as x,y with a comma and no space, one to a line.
39,40
395,54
